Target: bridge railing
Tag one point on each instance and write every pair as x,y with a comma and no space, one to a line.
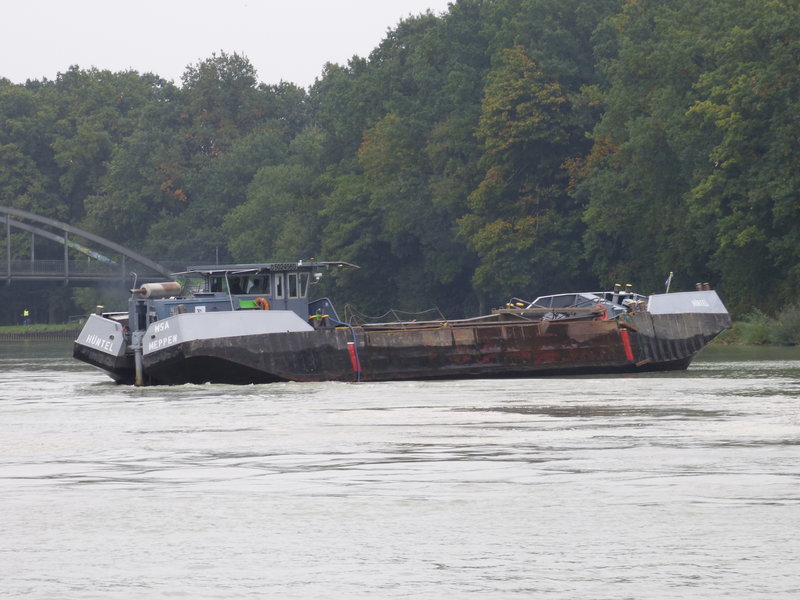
49,269
57,266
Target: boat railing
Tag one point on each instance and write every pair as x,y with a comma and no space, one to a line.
398,317
501,316
543,312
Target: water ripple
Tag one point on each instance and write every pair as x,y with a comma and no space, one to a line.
654,486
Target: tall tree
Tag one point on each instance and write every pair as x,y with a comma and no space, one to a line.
522,223
143,178
640,168
746,196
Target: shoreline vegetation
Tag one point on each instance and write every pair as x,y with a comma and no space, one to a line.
40,331
756,328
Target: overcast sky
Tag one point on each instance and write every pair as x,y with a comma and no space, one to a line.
287,40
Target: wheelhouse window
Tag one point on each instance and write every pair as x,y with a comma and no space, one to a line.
258,284
236,284
217,284
279,285
291,283
302,282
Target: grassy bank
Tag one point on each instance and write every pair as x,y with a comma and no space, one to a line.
758,328
39,331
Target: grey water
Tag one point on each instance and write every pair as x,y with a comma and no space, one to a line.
680,485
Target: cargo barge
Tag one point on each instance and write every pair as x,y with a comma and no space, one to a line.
255,323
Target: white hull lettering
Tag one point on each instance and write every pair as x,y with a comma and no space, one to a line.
96,341
162,343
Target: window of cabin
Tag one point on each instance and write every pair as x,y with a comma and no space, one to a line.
217,284
237,284
302,282
259,285
292,285
279,285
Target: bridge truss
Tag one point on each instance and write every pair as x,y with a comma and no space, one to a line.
88,259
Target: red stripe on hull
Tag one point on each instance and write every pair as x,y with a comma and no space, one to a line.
626,344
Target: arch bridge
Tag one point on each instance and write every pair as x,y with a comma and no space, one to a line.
94,267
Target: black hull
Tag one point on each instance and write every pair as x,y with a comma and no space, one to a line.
500,349
119,368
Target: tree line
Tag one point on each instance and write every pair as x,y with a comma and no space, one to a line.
503,148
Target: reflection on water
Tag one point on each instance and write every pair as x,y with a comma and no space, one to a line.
678,485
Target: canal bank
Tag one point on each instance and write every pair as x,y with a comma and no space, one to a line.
13,333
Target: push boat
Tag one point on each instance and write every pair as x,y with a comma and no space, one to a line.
255,323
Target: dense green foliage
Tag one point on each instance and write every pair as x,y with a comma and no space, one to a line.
758,328
507,147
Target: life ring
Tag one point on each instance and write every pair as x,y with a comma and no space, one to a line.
261,303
